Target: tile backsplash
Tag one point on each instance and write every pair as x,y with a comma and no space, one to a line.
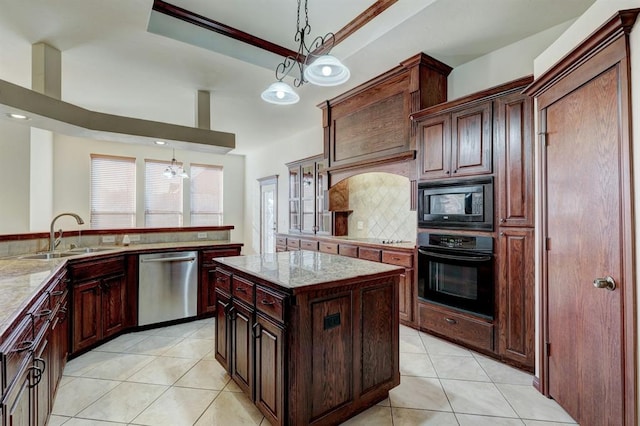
381,205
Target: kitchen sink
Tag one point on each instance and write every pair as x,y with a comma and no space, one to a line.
47,256
80,250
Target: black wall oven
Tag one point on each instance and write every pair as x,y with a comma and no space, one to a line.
457,271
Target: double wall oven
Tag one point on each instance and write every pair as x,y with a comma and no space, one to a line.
457,269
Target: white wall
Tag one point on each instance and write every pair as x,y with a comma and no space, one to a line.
586,24
500,66
271,161
14,192
41,175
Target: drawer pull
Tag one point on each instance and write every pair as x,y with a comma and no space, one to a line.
220,279
241,290
27,345
450,321
43,313
267,302
57,293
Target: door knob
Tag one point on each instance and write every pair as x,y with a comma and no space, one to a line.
606,282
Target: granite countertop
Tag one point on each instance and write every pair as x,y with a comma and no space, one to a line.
373,242
22,279
297,269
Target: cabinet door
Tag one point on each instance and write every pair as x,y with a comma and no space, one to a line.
472,140
113,304
514,151
308,198
323,215
294,199
269,370
434,136
242,346
18,403
59,344
208,290
87,326
41,381
223,338
406,298
516,296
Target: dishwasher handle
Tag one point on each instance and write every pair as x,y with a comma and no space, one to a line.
170,259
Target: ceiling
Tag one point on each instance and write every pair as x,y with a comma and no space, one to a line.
112,63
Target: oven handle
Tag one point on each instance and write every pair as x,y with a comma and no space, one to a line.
451,257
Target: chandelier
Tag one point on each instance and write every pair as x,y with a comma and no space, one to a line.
174,169
313,64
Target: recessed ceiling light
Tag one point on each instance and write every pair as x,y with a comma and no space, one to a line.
17,116
161,143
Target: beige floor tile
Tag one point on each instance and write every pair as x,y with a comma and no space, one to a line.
412,417
205,332
190,348
459,367
154,345
473,420
121,343
437,346
163,371
85,363
413,364
374,416
419,392
232,387
89,422
502,373
411,343
120,366
206,374
78,394
178,330
176,407
476,398
541,423
57,420
210,356
230,408
531,404
123,403
408,330
385,402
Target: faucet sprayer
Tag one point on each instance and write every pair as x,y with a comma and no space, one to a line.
52,237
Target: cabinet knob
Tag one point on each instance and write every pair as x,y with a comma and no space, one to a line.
450,321
447,172
502,220
502,234
455,171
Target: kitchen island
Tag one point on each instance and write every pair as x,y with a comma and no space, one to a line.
312,338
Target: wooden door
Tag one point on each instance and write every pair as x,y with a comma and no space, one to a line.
223,339
87,327
471,140
113,303
435,147
270,370
242,346
583,213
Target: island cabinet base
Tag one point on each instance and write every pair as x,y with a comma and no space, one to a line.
320,353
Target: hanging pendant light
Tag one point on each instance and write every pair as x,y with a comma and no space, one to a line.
314,64
175,169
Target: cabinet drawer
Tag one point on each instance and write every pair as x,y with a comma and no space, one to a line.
331,248
94,269
270,303
293,243
209,255
242,289
17,348
368,253
58,289
281,241
223,281
41,313
348,250
398,258
458,327
309,245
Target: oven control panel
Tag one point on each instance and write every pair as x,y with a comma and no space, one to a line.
460,242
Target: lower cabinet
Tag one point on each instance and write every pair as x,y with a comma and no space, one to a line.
222,336
207,282
269,362
98,301
241,321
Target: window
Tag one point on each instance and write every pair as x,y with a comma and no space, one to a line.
206,195
113,192
162,196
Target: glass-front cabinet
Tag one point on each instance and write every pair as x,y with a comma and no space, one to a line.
308,203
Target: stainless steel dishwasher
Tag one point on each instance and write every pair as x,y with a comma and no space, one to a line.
167,286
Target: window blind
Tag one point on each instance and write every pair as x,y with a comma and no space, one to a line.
113,192
162,196
206,195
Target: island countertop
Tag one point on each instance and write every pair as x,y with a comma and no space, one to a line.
295,270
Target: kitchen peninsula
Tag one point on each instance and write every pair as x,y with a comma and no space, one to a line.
320,329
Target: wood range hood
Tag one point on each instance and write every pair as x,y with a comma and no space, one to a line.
53,114
368,128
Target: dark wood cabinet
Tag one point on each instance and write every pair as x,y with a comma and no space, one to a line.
456,143
18,404
515,296
223,336
269,362
241,321
308,203
99,290
207,282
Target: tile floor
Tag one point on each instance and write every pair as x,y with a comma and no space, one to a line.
168,376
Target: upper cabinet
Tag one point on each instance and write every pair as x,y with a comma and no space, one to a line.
308,187
370,123
456,143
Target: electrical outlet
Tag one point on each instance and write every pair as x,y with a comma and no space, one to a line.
108,239
360,224
202,235
134,238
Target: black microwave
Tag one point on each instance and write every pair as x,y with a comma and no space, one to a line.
459,204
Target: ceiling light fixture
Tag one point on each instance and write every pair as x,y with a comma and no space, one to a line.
326,70
175,169
160,143
17,116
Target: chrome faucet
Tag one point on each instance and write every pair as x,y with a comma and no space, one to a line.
52,235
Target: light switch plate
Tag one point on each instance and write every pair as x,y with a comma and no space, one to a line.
202,235
360,224
134,238
109,239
